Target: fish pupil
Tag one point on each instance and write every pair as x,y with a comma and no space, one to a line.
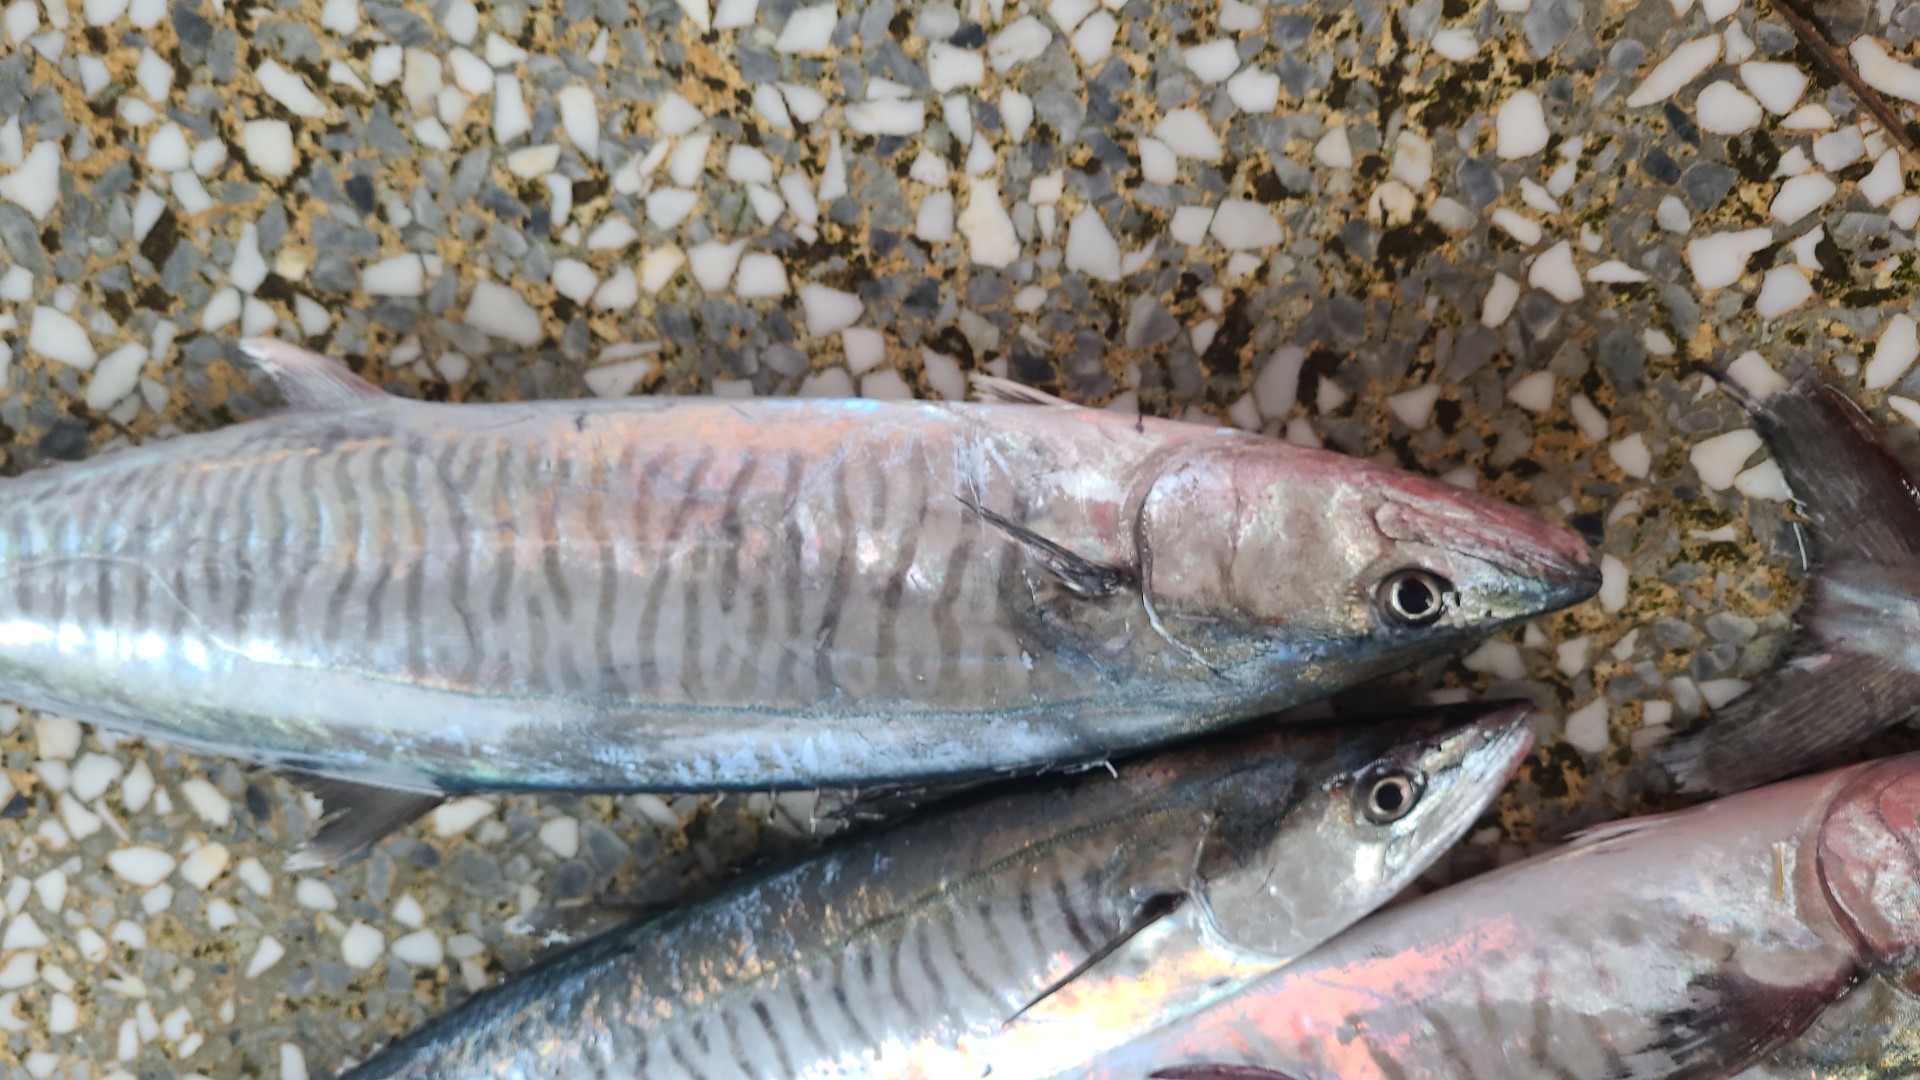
1414,597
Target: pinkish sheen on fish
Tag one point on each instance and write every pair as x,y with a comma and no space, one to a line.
408,599
1011,937
1687,946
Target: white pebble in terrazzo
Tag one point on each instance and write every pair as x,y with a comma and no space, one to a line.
34,185
1718,260
1187,134
1519,226
573,279
1781,290
1534,392
456,817
1502,295
1213,61
1751,372
1632,455
1719,459
495,309
1777,86
268,144
562,834
1839,149
761,276
1093,41
1497,657
204,865
1883,72
206,801
1800,196
1189,224
1455,44
890,116
1244,225
1586,727
1520,127
361,946
1725,110
1414,407
828,310
1895,351
734,14
676,116
1334,149
400,275
1278,385
56,336
658,266
1886,181
1763,481
618,380
141,866
1613,584
290,90
167,151
1091,249
1686,63
1023,39
1615,272
712,263
1554,272
419,949
991,239
809,30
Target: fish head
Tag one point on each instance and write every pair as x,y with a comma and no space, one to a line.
1258,551
1397,796
1869,852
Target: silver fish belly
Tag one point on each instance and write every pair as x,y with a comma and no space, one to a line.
1011,937
697,593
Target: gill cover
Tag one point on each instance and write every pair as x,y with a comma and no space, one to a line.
1869,853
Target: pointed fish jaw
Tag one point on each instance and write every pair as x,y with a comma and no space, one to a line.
1510,562
1870,864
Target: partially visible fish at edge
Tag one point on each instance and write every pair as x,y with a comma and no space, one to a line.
1854,668
1686,946
401,600
1012,936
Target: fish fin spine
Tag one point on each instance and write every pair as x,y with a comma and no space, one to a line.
307,380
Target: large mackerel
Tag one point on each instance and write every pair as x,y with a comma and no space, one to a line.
1687,946
1009,938
696,593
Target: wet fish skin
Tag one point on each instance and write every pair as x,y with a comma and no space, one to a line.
1689,945
697,594
1853,669
905,954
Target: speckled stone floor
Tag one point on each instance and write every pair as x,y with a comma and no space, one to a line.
1487,239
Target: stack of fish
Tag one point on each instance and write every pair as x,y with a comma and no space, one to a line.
398,602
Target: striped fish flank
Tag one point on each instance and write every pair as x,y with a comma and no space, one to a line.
1009,937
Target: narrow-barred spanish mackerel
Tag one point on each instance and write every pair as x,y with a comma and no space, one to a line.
1008,938
409,599
1687,946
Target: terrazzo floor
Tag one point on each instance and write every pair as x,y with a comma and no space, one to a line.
1487,239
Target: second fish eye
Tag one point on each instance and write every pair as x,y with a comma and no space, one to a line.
1414,597
1390,797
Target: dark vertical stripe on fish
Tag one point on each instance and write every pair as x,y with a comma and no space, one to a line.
604,679
774,1038
416,571
352,544
848,534
661,575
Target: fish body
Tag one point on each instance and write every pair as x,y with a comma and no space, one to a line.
1687,947
1010,937
698,594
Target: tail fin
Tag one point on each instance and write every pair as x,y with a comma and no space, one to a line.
1853,671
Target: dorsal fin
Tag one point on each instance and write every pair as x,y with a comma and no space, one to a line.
995,388
309,381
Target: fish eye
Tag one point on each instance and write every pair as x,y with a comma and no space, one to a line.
1390,797
1414,597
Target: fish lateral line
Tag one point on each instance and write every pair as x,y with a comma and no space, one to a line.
1152,910
1082,576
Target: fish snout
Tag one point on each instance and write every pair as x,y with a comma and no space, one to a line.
1540,566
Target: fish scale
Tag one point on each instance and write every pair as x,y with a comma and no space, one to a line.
409,599
940,948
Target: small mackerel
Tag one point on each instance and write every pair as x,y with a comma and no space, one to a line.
1687,946
407,600
1011,937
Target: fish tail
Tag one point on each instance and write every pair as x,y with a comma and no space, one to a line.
1855,667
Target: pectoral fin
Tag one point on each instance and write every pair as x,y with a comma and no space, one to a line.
1079,574
1152,910
307,380
357,817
